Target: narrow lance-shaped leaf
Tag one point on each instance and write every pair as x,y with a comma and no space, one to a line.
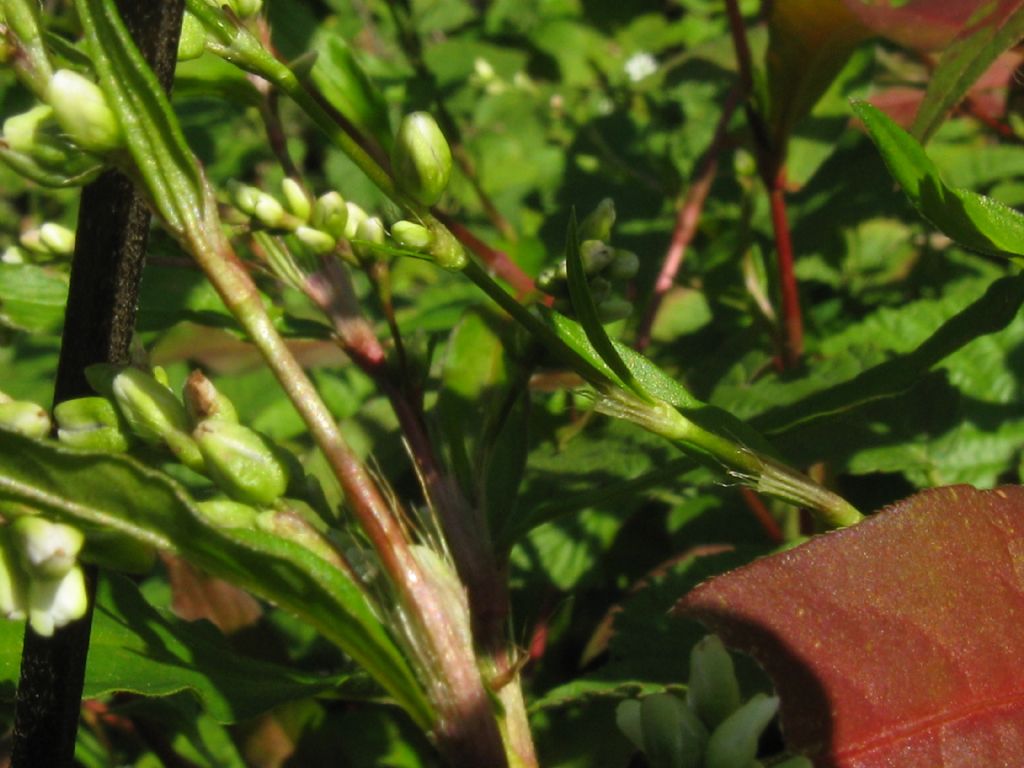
896,641
117,493
972,220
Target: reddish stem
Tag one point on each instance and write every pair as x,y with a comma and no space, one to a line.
792,318
687,220
763,515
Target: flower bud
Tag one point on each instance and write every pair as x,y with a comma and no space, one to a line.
244,8
56,239
54,603
154,414
595,255
192,42
296,199
712,690
598,223
21,131
13,581
317,241
224,513
410,235
733,744
330,214
242,462
268,211
370,230
421,159
204,401
25,418
81,109
48,550
244,197
356,216
613,309
36,150
672,734
600,289
552,282
624,266
91,423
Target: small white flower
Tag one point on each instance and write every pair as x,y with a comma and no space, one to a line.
53,603
640,65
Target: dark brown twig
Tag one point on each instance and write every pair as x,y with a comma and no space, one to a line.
113,226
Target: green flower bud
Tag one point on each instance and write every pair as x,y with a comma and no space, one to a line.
242,462
330,214
56,239
595,255
600,289
317,241
624,266
13,581
154,414
244,197
613,309
192,42
21,131
203,401
370,230
673,735
91,423
296,199
421,159
411,235
244,8
54,603
733,744
48,550
269,212
81,109
598,223
356,216
712,691
224,513
25,418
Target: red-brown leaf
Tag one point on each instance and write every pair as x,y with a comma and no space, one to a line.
897,642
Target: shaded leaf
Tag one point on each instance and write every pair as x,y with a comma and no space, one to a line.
972,220
894,641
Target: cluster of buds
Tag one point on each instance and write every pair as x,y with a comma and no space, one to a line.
39,575
712,728
317,224
201,431
35,145
603,265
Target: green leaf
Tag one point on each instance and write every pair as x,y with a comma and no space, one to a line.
118,493
972,220
965,61
346,87
135,648
32,298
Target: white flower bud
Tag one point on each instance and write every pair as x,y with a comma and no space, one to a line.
81,109
411,235
54,603
57,239
295,198
48,550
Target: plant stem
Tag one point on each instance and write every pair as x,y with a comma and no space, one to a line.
466,731
792,317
